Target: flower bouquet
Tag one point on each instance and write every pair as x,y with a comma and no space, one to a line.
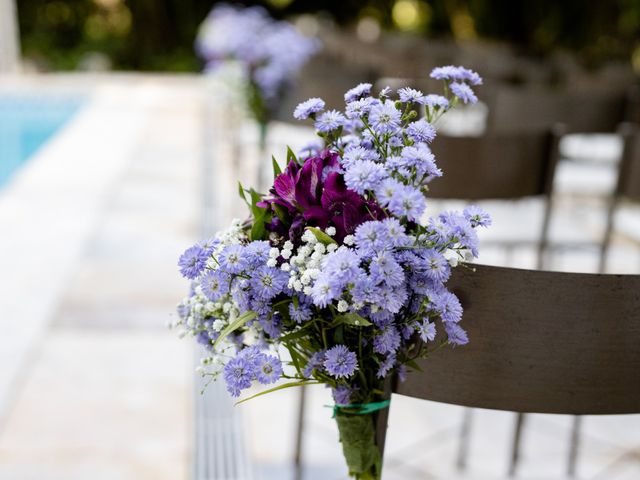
269,52
337,278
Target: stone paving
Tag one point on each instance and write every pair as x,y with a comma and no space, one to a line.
93,386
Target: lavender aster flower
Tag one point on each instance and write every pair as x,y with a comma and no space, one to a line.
238,373
456,334
426,330
421,131
408,95
269,369
386,365
342,265
447,72
315,362
386,190
214,285
357,154
269,281
408,202
342,395
308,108
477,216
232,260
448,307
385,118
372,237
364,175
362,90
463,92
323,291
436,266
339,362
436,101
329,121
301,313
388,341
193,261
360,108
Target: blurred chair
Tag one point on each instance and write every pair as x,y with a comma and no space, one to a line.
518,109
509,166
545,342
628,183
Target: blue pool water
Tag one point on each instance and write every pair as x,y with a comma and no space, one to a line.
26,123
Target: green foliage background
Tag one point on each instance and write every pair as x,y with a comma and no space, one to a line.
158,34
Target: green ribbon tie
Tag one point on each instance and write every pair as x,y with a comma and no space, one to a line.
360,408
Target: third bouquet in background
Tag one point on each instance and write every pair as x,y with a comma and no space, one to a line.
337,278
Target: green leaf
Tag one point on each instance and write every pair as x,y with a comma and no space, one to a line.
299,383
258,232
413,364
291,157
351,319
238,322
294,335
242,195
276,168
281,212
321,236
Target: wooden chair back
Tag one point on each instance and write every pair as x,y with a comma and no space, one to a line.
518,109
544,342
496,165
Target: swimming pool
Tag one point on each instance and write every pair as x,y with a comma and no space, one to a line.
26,123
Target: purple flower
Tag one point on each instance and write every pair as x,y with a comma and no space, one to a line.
268,282
456,334
358,154
408,202
329,121
420,159
301,313
342,265
238,373
308,108
364,175
315,362
477,216
372,237
342,395
356,93
436,266
385,117
269,369
421,131
214,284
388,341
387,189
463,92
232,260
324,290
447,72
360,108
410,95
384,268
426,330
193,261
436,101
340,362
448,307
386,365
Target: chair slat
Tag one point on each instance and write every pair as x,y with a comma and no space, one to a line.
543,342
494,166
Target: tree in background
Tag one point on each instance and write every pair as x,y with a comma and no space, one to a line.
159,34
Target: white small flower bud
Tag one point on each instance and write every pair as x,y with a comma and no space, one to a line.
274,253
297,285
286,254
343,306
272,262
218,325
288,245
349,240
307,290
285,267
319,248
331,231
332,247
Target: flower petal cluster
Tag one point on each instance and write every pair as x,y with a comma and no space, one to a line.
339,264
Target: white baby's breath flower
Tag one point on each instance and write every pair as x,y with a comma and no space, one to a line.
349,240
272,262
288,245
285,267
331,231
218,325
332,247
274,253
319,248
343,306
286,254
307,290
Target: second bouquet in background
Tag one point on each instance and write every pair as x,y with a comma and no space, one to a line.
337,278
